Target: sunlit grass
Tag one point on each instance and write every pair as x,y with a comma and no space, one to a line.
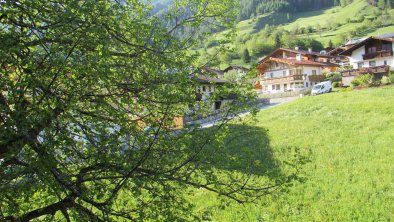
351,175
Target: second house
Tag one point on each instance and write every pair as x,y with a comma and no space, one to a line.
292,70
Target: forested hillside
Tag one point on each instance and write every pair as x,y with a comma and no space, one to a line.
317,29
264,25
251,8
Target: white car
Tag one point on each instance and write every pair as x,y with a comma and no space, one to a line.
323,87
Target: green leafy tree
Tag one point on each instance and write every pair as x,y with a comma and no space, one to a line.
381,4
88,97
330,44
276,38
246,56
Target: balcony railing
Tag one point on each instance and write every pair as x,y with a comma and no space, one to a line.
316,78
283,79
361,71
383,53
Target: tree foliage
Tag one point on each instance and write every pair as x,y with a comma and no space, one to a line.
246,56
88,95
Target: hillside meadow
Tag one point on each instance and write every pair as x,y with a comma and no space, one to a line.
349,140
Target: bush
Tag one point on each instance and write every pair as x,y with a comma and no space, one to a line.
335,84
385,80
364,80
346,89
355,82
334,77
390,76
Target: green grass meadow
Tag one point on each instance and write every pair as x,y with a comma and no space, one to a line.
350,177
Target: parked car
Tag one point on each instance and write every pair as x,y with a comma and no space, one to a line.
323,87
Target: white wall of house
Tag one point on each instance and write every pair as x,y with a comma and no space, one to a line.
277,73
294,85
357,56
308,70
206,91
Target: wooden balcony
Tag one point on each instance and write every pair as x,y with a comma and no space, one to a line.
361,71
384,53
316,78
282,79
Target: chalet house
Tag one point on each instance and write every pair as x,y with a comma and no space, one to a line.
292,70
336,52
373,55
209,80
241,71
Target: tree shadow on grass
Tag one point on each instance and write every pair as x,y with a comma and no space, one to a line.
247,149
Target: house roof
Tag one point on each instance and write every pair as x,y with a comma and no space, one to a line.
207,75
295,62
387,35
212,70
363,42
306,52
302,52
204,79
300,62
355,41
235,67
336,51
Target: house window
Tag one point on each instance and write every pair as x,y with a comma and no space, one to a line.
360,65
385,62
372,63
372,50
272,75
218,104
203,88
273,87
298,71
306,84
291,72
386,47
277,87
285,86
313,72
284,73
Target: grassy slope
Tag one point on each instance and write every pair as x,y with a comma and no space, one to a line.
351,176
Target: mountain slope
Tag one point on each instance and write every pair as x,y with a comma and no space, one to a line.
315,29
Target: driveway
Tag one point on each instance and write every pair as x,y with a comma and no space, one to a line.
273,103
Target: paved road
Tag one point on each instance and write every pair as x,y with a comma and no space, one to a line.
273,103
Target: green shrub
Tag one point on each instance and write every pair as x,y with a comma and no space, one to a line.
346,89
374,83
385,80
334,77
355,82
364,80
335,84
390,76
